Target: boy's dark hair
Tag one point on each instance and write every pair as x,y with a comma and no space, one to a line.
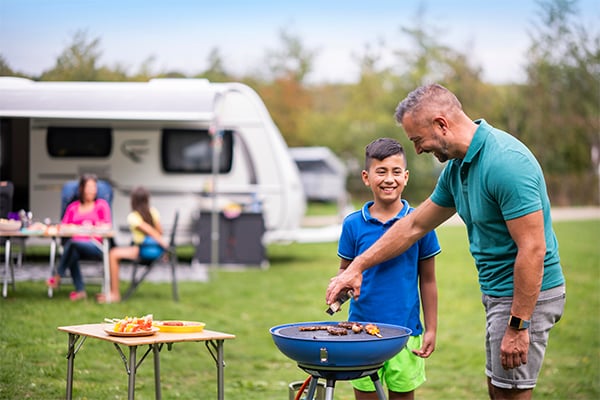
382,148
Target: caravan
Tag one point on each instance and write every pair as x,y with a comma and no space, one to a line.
196,145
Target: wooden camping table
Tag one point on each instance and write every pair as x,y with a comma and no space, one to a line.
213,341
54,238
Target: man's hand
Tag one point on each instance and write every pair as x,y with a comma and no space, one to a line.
514,348
349,278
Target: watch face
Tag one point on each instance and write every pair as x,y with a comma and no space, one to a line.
517,323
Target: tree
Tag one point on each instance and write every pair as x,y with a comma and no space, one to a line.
293,61
78,62
286,96
5,69
216,71
562,116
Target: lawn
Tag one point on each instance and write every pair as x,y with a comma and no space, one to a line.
248,302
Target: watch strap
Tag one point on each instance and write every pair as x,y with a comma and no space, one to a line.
518,323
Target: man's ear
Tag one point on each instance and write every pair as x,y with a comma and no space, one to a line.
441,122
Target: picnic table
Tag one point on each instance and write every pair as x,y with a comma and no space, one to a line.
78,334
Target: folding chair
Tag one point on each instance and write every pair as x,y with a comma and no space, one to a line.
147,265
7,191
70,193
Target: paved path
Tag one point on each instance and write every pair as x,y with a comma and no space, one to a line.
38,271
558,214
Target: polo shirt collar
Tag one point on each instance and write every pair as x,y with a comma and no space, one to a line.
366,214
481,134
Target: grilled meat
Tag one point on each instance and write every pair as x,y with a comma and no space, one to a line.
337,331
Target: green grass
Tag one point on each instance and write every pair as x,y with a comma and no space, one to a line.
247,303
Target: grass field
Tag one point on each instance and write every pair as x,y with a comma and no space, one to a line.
247,303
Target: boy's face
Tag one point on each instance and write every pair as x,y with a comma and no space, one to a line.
386,178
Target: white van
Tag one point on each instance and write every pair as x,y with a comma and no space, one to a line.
159,134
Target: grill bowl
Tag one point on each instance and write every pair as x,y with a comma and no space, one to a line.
319,348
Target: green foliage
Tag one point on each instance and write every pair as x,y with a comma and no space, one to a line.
5,69
562,124
555,112
249,302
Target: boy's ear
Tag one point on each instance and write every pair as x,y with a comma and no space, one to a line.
365,177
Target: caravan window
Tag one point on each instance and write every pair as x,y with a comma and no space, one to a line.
190,150
79,142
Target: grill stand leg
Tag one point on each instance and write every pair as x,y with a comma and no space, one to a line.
312,388
378,387
329,389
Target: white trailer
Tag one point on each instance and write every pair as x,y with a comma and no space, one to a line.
159,134
322,173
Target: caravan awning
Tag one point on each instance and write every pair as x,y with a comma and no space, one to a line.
157,100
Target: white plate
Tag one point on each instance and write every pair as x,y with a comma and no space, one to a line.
112,332
10,226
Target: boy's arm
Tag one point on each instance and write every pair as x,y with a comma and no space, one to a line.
343,265
429,302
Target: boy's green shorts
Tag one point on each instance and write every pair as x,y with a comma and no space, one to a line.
402,373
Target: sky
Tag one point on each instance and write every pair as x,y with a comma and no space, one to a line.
179,34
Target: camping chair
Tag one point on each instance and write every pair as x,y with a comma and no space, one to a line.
149,264
70,193
7,190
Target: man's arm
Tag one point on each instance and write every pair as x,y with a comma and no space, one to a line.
528,234
394,242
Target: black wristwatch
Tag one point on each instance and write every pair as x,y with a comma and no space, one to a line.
518,323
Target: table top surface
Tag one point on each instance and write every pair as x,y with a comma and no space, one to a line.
66,233
98,331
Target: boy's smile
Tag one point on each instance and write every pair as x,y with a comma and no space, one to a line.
386,178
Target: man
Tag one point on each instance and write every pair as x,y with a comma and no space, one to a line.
497,187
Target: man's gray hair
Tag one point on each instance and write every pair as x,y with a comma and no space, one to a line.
425,97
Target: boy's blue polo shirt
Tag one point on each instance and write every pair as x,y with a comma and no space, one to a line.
390,290
498,180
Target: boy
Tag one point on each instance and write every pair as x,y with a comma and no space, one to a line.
390,291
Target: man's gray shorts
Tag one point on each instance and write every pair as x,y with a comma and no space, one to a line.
548,310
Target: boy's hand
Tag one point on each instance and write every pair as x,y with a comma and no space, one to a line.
428,345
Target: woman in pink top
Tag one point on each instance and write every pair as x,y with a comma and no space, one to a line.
87,211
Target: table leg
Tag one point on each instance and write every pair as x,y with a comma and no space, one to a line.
220,365
220,371
6,266
52,263
70,363
106,265
156,351
132,372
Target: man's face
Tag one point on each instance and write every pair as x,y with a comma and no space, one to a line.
386,178
426,137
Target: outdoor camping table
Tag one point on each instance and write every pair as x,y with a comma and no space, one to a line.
213,341
54,237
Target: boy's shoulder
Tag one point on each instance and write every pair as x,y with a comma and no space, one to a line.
353,216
